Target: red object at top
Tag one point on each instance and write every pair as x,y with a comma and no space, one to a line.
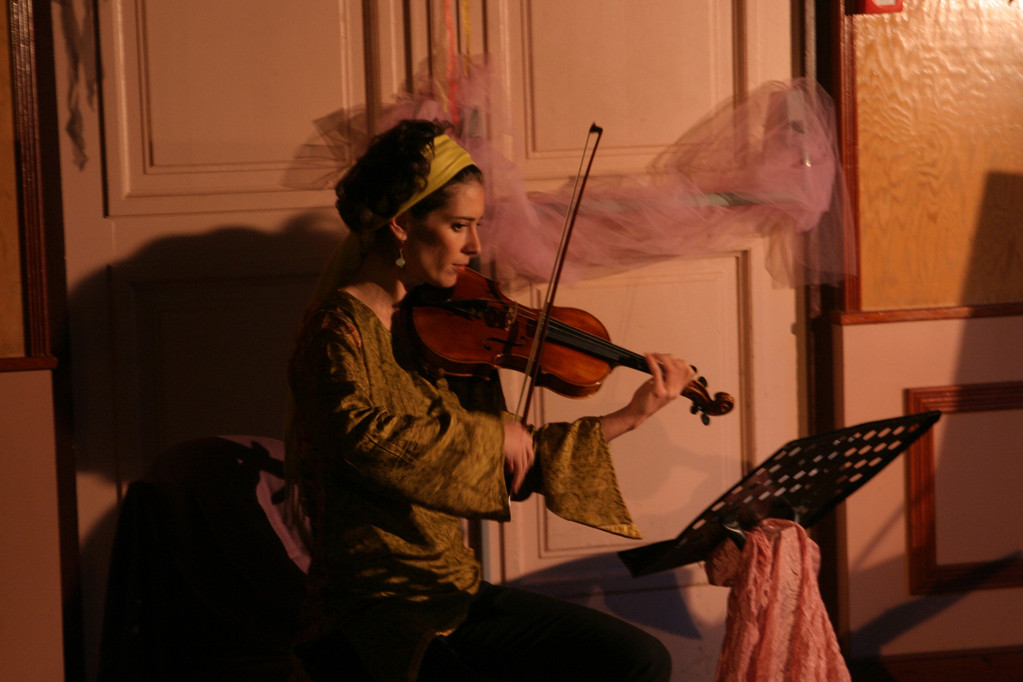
879,6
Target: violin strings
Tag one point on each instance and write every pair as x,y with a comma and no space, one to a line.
596,346
586,342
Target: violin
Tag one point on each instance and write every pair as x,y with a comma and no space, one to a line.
473,327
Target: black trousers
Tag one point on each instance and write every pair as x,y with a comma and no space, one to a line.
513,635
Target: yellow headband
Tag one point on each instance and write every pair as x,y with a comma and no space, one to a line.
448,159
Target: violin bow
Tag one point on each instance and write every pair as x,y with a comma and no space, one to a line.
543,321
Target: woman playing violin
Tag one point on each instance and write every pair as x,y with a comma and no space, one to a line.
386,461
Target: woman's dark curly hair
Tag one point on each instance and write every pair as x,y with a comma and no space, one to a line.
395,166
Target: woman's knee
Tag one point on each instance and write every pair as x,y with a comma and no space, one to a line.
626,653
659,662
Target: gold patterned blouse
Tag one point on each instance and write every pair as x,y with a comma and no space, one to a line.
389,463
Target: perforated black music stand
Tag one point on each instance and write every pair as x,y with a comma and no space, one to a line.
802,482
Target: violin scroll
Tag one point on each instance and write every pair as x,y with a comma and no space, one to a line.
702,404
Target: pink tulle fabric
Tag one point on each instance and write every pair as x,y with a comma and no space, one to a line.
765,166
777,629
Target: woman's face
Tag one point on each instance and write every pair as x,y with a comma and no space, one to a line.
440,245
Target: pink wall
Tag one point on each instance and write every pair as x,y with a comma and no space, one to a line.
31,640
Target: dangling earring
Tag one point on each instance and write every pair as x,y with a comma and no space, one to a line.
400,260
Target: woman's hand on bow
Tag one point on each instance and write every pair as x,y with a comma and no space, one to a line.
518,454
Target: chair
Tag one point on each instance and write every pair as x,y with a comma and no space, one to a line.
205,580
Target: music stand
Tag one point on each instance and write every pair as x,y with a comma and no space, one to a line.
801,482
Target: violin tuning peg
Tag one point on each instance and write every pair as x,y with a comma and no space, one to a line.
703,381
693,409
693,367
705,419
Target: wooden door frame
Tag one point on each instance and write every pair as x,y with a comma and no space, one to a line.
38,183
43,278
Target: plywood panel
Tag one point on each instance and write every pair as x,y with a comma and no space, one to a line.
940,109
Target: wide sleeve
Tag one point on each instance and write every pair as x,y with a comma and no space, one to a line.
393,430
577,476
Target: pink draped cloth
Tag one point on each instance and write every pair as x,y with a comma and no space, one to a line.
776,628
761,166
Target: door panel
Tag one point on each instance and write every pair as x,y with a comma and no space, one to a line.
208,101
624,66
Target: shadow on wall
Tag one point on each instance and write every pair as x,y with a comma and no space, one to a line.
898,620
189,337
996,264
201,328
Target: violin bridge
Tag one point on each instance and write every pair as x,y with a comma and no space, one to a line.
510,316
